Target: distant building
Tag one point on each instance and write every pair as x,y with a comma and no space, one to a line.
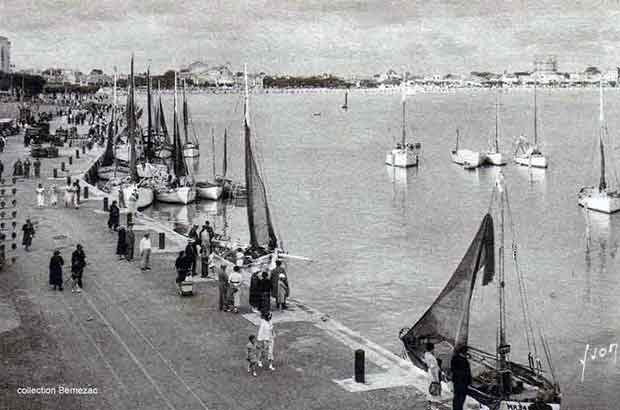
5,54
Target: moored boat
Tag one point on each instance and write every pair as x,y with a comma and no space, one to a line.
527,154
494,156
468,158
207,190
405,154
191,148
176,195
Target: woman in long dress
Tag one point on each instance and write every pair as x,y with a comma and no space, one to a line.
53,196
265,337
56,263
68,196
40,196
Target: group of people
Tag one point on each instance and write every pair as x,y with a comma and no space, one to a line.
265,285
22,169
78,262
260,346
71,195
461,375
126,244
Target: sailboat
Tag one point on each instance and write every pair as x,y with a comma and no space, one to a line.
494,156
222,180
528,154
191,148
345,106
497,382
405,154
163,148
181,190
468,158
206,189
601,198
137,193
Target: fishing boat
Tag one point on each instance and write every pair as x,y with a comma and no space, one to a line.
468,158
528,154
223,180
404,154
191,148
497,381
163,147
494,156
601,198
206,189
179,187
345,106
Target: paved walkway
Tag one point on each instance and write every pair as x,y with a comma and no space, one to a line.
130,336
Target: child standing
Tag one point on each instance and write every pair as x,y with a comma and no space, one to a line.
252,355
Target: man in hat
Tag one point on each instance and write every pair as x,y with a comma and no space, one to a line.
130,237
145,252
461,377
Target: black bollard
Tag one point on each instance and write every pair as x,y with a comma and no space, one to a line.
105,203
162,240
62,166
83,149
70,160
55,173
70,144
77,154
129,218
68,180
360,372
85,192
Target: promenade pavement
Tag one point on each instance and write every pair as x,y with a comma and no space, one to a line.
130,335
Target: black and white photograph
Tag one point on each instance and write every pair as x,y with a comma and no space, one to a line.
309,205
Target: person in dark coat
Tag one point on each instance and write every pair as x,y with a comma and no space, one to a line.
264,286
1,169
121,245
27,168
222,279
78,261
275,275
18,169
56,263
461,377
255,293
37,168
115,215
190,254
28,229
131,242
183,266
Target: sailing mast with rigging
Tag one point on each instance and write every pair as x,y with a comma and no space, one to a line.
405,154
191,149
494,156
527,154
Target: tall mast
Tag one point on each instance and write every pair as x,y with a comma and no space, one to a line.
404,98
213,149
602,184
502,349
535,117
456,148
149,142
246,105
185,115
114,108
131,125
497,123
225,165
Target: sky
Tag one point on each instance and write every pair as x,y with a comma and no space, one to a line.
300,37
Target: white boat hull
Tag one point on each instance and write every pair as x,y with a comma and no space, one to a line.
209,191
536,161
144,199
466,157
181,195
190,151
402,157
601,201
495,158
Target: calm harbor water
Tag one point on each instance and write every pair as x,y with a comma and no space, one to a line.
384,243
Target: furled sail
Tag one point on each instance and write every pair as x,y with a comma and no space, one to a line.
180,169
259,219
108,156
447,320
162,122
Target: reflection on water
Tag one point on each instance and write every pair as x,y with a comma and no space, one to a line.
535,177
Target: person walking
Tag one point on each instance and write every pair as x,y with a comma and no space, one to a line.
114,217
27,168
222,279
131,242
1,168
255,295
252,355
434,389
461,377
37,168
282,292
28,230
78,261
182,267
56,263
53,196
18,169
234,288
265,287
121,244
76,198
266,337
204,260
68,195
145,252
275,276
207,235
191,255
40,196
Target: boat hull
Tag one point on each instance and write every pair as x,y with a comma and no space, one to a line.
144,199
600,201
107,173
495,158
536,161
191,150
403,158
209,191
163,152
182,195
467,158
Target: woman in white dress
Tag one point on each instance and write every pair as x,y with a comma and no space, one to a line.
40,196
68,196
266,337
434,391
53,196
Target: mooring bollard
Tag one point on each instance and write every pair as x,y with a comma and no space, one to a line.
77,154
360,372
70,144
68,180
129,218
162,240
55,173
85,192
83,149
62,166
70,160
105,203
